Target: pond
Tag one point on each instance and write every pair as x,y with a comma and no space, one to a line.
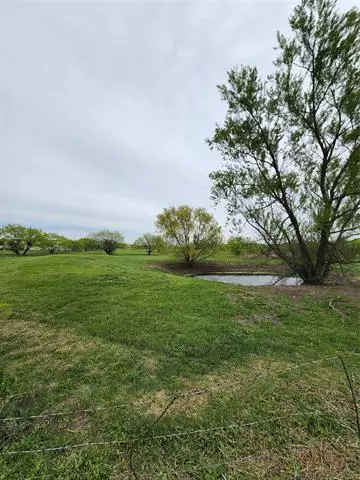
253,280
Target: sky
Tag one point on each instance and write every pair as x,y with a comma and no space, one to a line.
105,105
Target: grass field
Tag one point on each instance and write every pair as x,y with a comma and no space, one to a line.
86,331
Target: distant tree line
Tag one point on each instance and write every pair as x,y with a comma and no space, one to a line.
192,234
20,240
242,246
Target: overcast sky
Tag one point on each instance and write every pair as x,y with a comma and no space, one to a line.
105,105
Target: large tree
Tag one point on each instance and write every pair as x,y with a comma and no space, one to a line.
291,142
20,239
107,240
192,232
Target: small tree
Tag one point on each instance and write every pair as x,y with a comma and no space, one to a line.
86,244
245,246
291,143
108,240
193,232
347,252
53,242
236,246
20,239
150,243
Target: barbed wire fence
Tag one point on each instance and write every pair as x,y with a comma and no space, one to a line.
233,384
133,443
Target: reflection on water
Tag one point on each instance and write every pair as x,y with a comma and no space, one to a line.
253,280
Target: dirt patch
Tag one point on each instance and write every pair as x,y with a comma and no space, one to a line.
79,423
27,400
5,311
150,365
324,457
217,267
349,291
318,461
257,319
241,378
154,404
110,278
40,338
235,298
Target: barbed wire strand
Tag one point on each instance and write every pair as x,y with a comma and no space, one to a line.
336,310
187,393
61,414
234,425
64,447
158,437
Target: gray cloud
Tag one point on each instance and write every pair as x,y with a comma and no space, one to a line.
105,105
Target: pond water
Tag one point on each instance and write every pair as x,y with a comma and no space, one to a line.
253,280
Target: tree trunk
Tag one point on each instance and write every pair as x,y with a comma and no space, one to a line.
315,275
189,262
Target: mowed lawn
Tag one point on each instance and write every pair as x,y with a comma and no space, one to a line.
121,339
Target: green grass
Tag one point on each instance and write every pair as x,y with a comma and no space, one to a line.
227,257
84,330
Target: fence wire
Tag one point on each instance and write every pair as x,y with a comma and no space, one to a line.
133,442
63,414
231,426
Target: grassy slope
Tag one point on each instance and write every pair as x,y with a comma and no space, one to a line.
85,330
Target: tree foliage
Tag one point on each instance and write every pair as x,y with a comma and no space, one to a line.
150,243
20,239
54,243
291,143
244,246
193,232
86,244
107,240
